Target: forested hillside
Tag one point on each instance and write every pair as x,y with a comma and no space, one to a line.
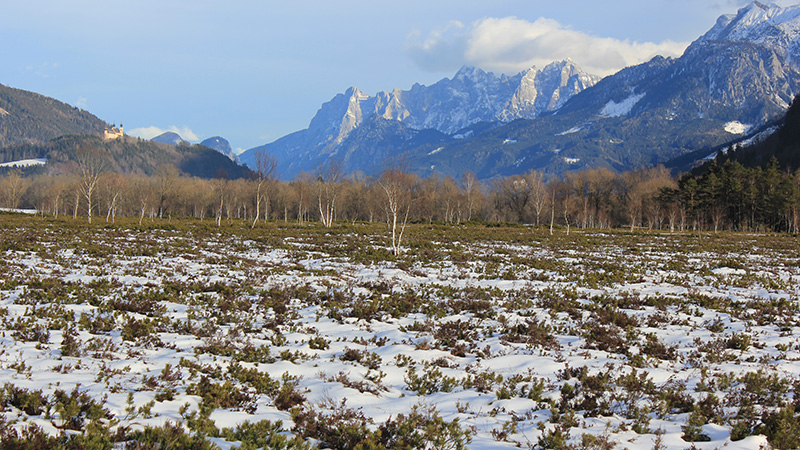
127,156
783,145
33,118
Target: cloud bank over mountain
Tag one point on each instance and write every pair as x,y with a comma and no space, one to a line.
510,45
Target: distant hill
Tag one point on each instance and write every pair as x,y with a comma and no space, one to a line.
170,138
127,155
28,117
221,145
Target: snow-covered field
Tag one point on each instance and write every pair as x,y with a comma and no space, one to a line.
489,337
25,163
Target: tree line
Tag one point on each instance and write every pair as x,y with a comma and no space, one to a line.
726,196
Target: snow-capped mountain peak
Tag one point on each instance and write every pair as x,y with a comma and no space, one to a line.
473,74
760,23
546,90
472,95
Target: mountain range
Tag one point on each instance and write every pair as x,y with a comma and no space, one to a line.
740,75
345,126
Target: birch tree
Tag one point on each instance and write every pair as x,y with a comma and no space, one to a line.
115,185
398,186
91,164
471,190
538,192
328,181
266,165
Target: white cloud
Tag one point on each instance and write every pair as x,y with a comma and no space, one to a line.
152,131
510,45
82,103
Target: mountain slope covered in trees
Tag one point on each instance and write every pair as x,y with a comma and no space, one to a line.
783,145
34,118
128,156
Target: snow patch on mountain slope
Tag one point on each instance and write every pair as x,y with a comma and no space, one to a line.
614,109
570,131
747,142
736,127
760,136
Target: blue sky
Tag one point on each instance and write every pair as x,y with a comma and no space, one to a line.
253,71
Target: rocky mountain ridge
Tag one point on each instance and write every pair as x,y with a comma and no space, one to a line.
471,96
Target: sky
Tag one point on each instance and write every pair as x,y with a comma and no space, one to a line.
253,71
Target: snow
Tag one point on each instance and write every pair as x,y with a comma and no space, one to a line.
746,142
572,130
757,22
433,152
759,137
571,160
308,273
19,211
614,109
25,163
509,141
736,127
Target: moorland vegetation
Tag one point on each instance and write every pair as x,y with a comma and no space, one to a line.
188,334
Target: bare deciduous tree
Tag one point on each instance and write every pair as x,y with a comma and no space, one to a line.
166,176
301,185
266,166
471,190
91,164
398,186
513,194
13,186
114,185
54,193
220,187
328,180
538,192
143,195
